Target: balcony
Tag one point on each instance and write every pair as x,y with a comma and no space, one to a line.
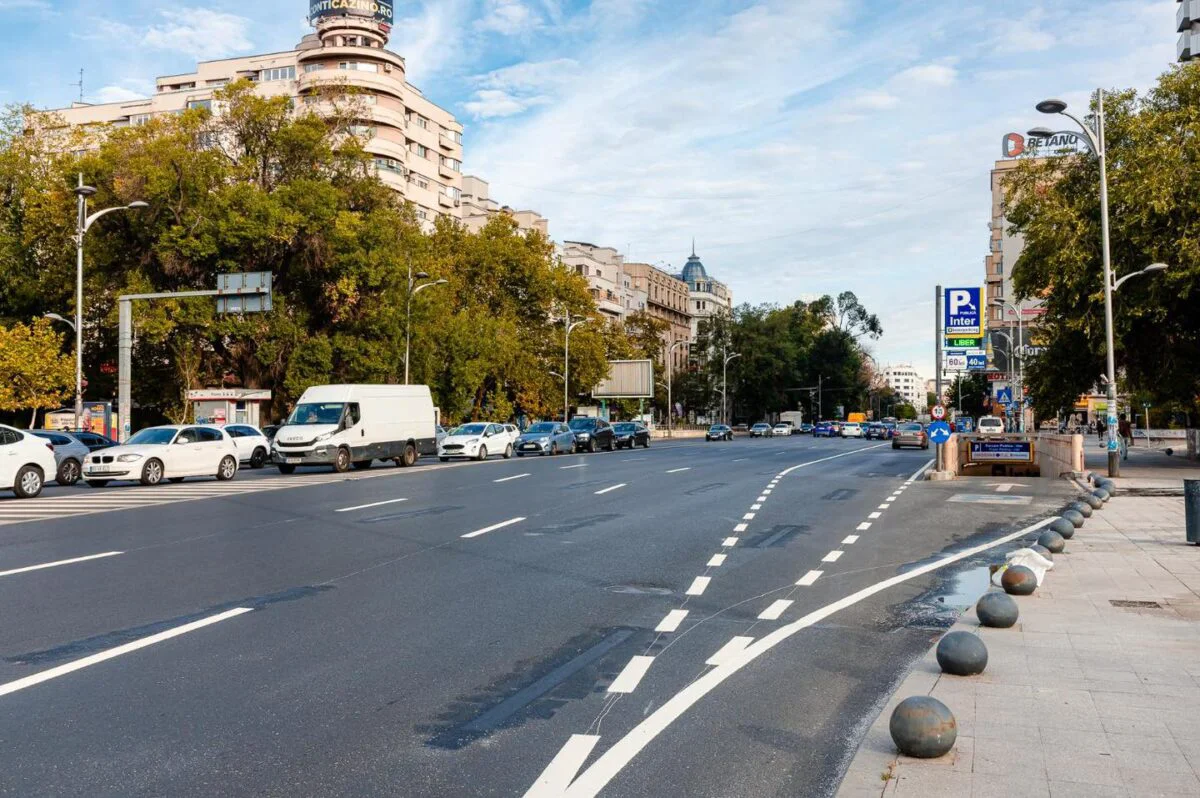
1188,47
1185,14
375,54
344,79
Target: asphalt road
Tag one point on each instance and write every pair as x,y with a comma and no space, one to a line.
471,629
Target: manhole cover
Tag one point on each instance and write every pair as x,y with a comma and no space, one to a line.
1141,605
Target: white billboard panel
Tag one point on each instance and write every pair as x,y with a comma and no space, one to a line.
627,379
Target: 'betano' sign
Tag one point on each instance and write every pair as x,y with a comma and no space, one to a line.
1014,145
379,10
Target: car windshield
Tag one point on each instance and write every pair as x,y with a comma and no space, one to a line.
761,426
544,426
625,427
153,436
317,413
715,428
911,427
469,429
583,423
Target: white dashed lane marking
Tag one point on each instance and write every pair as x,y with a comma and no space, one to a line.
850,540
740,527
493,528
678,470
773,612
864,526
699,585
727,651
874,516
809,578
57,563
628,681
717,561
672,621
610,490
368,506
729,542
510,479
832,556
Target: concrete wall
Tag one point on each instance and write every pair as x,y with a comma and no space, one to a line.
1060,454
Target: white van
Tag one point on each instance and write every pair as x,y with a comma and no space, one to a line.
345,425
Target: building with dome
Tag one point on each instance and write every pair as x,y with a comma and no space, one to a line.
706,297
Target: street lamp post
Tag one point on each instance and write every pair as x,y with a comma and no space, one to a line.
1020,352
670,379
83,223
413,290
725,387
569,326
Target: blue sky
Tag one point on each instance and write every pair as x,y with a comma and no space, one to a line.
810,146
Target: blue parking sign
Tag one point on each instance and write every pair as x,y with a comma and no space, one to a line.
962,310
976,362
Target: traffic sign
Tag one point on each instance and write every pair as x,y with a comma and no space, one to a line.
963,315
1004,396
938,412
939,431
976,362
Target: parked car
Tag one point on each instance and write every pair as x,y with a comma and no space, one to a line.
875,432
806,428
824,429
991,425
837,428
270,430
592,434
69,454
761,430
253,446
172,452
719,432
93,440
741,427
546,437
781,430
476,441
910,434
629,434
25,462
852,429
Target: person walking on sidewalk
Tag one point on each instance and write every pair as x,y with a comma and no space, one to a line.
1125,431
1100,430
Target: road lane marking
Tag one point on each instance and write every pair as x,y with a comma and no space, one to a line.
366,506
762,498
493,528
672,621
103,656
558,774
850,540
809,578
875,516
728,542
629,678
734,646
767,492
832,556
773,612
510,479
717,561
57,563
748,517
756,507
679,470
566,468
741,527
699,585
864,526
610,490
885,506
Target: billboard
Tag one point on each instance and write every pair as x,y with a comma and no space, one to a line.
627,379
1014,145
378,10
962,312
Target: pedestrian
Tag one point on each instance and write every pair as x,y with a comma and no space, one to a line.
1100,430
1125,430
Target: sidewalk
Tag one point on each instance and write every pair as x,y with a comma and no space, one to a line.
1081,697
1147,471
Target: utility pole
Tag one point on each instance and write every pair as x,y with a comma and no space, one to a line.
937,360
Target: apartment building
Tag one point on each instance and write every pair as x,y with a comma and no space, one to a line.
478,208
905,381
1004,248
416,145
604,269
706,297
667,299
1187,25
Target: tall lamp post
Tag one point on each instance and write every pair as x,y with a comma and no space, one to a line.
725,387
670,378
413,290
84,222
569,326
1020,352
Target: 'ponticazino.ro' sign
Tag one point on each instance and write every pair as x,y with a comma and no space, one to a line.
379,10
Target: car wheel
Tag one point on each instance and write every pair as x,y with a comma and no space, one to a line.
175,480
591,446
259,458
97,483
611,446
362,465
646,443
68,472
286,469
482,454
228,468
341,463
508,452
410,456
152,472
29,481
553,449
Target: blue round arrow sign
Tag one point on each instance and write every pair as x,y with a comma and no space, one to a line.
939,432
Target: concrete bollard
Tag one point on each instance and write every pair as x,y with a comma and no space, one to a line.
1108,485
1063,527
1052,541
1042,550
1018,581
1101,494
997,610
1095,502
962,654
923,727
1075,517
1083,508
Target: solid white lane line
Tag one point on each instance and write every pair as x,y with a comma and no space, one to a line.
672,621
809,578
366,506
95,659
627,682
875,516
567,468
833,457
919,472
558,774
610,490
493,528
622,752
850,540
748,517
756,507
679,470
71,561
734,646
510,479
699,585
864,526
728,542
716,561
773,612
832,556
741,527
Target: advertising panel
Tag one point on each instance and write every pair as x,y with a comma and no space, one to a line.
962,312
379,10
954,363
627,379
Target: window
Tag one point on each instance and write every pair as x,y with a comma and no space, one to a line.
360,66
205,104
451,163
420,181
453,135
137,120
451,192
366,131
421,121
421,150
217,82
353,414
278,73
313,67
235,432
389,165
421,214
9,436
208,435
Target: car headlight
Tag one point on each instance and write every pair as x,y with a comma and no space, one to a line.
128,458
583,436
325,437
543,440
473,442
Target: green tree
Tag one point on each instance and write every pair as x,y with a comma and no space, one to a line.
34,372
970,394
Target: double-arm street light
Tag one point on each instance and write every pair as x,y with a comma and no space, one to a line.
569,326
724,387
670,377
83,223
413,290
1019,373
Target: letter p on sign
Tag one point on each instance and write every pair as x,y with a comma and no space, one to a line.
960,300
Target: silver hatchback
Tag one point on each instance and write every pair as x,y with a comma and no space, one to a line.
69,454
546,437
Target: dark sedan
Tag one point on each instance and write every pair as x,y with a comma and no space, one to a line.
876,432
719,432
592,434
629,434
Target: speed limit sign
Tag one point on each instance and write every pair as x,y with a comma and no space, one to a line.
938,412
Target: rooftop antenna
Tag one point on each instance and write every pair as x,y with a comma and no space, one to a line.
80,85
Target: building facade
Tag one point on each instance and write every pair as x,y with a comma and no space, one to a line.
667,299
416,145
907,383
478,208
604,269
706,297
1187,25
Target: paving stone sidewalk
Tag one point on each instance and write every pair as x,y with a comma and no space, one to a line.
1082,697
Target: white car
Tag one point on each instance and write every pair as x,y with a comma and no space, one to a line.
477,441
990,425
852,429
253,447
171,452
25,462
783,430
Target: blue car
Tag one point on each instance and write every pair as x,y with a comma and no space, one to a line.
825,429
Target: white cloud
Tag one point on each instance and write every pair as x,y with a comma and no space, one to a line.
116,94
509,18
876,100
204,35
432,39
928,74
490,103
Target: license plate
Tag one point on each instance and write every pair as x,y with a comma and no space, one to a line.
100,469
292,460
529,446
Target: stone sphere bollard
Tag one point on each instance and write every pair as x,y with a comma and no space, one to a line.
1095,502
1101,494
1075,517
1083,508
1018,581
962,654
997,610
923,727
1042,550
1052,541
1108,485
1063,527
